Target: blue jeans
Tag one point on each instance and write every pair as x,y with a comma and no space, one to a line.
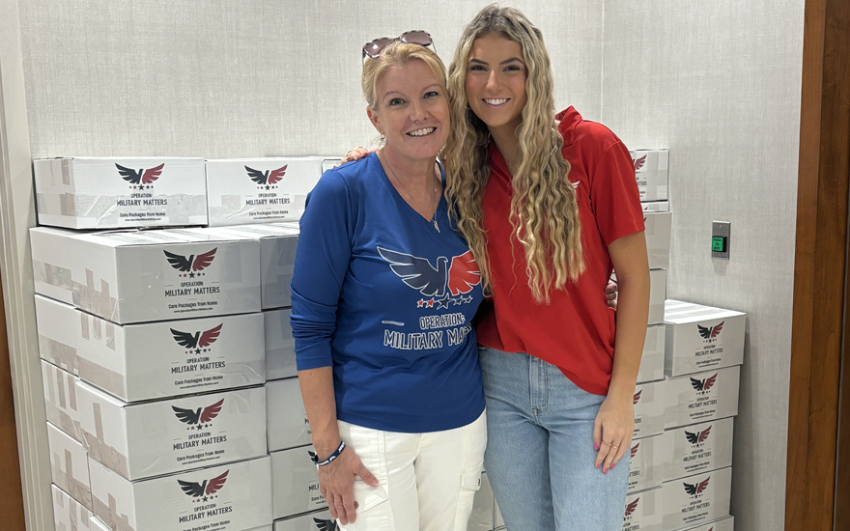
540,457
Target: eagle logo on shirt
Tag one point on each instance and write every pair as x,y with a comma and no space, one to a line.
444,281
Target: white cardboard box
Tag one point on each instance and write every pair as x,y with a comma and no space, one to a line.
295,483
724,524
154,438
657,294
60,399
696,499
142,276
649,462
317,521
287,420
703,339
702,397
483,507
656,206
650,401
700,448
243,191
51,264
278,244
280,345
153,360
651,173
643,511
231,497
120,193
68,513
69,465
658,227
652,359
329,163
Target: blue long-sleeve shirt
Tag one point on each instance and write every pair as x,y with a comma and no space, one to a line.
386,298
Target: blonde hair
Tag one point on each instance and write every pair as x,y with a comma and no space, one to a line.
544,213
394,54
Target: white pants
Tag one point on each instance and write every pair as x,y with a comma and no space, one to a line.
426,481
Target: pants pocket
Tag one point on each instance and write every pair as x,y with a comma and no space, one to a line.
471,478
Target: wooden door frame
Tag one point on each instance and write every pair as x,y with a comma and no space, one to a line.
17,215
819,270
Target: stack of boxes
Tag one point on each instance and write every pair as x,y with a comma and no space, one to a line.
153,344
649,451
680,476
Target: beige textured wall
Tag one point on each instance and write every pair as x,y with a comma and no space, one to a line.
240,79
718,83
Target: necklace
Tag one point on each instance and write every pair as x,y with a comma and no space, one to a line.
436,191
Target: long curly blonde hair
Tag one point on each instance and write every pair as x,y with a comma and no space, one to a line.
544,213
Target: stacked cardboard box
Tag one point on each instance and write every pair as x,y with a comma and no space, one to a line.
245,191
120,193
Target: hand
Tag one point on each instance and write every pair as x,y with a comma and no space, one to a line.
611,292
355,154
613,430
336,483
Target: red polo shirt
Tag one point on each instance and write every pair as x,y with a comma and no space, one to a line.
575,331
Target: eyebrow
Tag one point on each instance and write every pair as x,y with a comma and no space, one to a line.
506,61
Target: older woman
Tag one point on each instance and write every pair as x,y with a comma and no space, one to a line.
383,295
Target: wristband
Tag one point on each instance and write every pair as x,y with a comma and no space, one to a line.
331,457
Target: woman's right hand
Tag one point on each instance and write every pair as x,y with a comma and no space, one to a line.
355,154
336,483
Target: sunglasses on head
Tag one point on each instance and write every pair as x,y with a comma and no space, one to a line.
374,48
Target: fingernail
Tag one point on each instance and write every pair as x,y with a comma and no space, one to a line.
605,471
612,466
595,446
597,466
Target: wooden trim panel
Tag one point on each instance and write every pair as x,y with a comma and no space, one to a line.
819,270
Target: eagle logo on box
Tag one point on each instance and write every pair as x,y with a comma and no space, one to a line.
699,437
194,264
202,492
705,384
197,342
266,179
325,525
142,178
698,488
200,418
631,508
710,333
639,162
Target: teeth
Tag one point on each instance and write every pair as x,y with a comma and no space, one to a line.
495,102
422,132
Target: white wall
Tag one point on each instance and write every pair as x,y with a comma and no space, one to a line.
239,79
719,83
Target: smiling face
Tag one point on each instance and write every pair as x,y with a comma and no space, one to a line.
412,110
495,81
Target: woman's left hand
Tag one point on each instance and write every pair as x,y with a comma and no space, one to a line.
612,430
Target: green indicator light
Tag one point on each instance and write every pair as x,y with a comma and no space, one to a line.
718,244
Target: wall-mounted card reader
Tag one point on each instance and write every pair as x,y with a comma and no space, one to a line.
720,231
